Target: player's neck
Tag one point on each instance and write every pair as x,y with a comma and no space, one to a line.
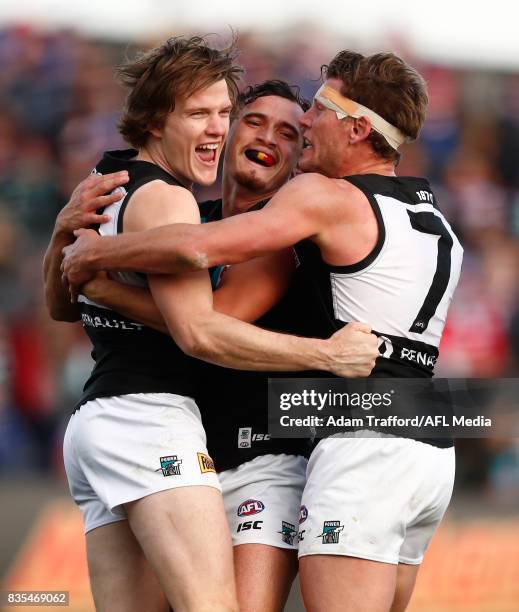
367,163
155,155
237,199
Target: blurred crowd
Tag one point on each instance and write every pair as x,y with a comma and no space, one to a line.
59,106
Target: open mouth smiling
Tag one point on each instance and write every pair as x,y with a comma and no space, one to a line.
207,152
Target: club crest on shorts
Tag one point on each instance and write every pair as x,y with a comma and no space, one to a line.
205,463
170,465
331,532
303,514
288,533
250,507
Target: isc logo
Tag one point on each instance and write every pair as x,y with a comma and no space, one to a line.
260,437
249,525
250,507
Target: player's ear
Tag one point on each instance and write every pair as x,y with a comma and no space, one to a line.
361,127
156,130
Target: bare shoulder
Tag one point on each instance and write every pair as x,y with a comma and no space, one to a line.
309,181
160,191
313,183
303,192
158,203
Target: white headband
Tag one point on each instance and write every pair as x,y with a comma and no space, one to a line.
344,107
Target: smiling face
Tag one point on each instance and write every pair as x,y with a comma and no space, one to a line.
326,139
194,133
264,144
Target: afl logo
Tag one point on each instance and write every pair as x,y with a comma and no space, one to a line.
385,347
303,514
250,507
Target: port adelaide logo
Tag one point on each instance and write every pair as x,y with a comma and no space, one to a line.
288,533
331,532
250,507
170,465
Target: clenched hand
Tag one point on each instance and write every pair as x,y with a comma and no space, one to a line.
354,350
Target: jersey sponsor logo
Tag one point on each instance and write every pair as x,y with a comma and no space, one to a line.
245,437
331,532
419,357
206,463
106,323
288,533
250,507
385,347
249,525
260,437
303,514
170,465
301,535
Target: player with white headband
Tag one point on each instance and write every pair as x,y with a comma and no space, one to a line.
374,247
344,107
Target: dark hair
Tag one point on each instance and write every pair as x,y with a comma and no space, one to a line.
384,83
180,66
272,87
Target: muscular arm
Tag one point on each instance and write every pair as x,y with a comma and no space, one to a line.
247,291
186,303
79,212
290,216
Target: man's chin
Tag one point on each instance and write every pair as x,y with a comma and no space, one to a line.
251,181
205,179
306,164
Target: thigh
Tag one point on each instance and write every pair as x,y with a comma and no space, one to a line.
264,576
346,584
121,578
185,537
406,579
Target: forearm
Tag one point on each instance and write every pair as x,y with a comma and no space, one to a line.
132,302
186,247
57,296
162,250
231,343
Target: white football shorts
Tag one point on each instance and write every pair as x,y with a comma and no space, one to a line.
378,498
262,499
121,449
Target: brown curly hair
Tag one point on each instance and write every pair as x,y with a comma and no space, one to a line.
178,67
